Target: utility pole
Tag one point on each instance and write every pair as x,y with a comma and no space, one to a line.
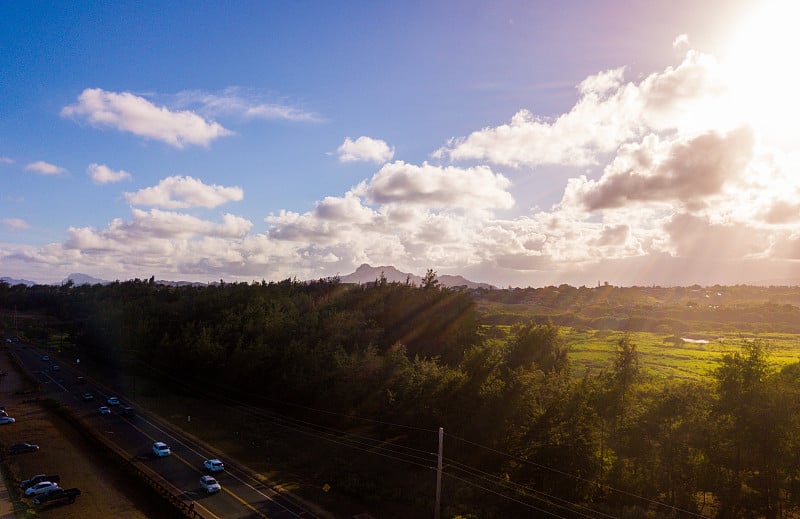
439,476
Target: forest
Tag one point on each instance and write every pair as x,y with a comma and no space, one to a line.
524,436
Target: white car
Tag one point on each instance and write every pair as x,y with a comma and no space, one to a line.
40,488
214,465
105,410
210,484
161,449
6,419
112,400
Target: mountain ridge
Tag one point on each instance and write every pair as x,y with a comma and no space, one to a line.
364,274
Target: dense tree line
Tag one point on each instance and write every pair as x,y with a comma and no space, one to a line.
613,442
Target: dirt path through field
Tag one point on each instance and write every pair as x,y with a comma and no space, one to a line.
63,451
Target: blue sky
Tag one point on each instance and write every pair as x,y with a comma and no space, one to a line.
516,143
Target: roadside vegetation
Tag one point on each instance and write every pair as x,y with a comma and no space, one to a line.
575,402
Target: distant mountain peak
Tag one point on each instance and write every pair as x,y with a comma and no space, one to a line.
12,281
366,273
84,279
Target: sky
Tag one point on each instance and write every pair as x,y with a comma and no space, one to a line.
517,143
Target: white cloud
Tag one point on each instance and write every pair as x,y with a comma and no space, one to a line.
609,112
6,160
153,226
102,174
15,224
182,192
130,113
365,149
681,41
683,171
436,186
44,168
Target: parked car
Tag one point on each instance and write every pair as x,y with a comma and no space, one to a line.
127,410
161,449
55,478
210,484
87,397
41,487
55,367
80,380
45,358
57,495
105,409
19,448
214,465
6,419
112,400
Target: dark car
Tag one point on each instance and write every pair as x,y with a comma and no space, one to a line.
87,397
127,410
57,495
19,448
80,380
38,478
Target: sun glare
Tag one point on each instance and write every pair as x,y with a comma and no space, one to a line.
761,64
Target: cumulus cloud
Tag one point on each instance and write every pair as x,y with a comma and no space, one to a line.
130,113
44,168
435,186
680,171
182,192
365,149
15,224
609,112
697,237
155,225
782,212
102,174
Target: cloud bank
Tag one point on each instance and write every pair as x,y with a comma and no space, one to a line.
663,182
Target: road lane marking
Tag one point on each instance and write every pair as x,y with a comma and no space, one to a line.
251,487
190,465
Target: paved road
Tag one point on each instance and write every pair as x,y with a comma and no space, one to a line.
242,496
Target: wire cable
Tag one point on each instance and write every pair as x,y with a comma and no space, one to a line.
579,478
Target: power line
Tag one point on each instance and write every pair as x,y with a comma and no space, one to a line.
579,478
326,433
388,449
301,406
507,483
470,483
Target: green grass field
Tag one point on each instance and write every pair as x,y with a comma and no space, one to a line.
664,357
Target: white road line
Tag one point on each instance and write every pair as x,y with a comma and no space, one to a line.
187,447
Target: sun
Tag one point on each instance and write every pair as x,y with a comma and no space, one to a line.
760,63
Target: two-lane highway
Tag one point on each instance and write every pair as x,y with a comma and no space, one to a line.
242,496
